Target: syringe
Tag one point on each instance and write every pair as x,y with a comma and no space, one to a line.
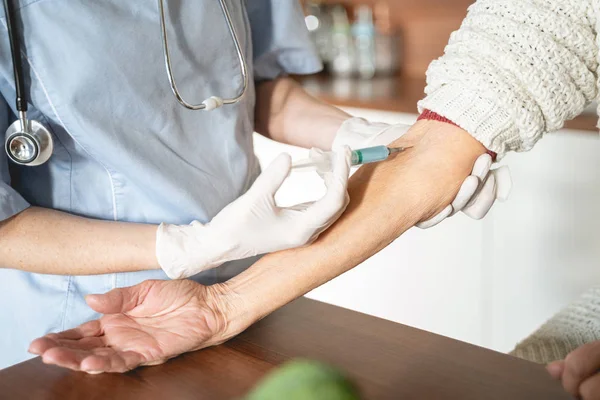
323,161
373,154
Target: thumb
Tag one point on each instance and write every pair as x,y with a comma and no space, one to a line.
341,169
322,160
273,177
116,301
336,181
555,369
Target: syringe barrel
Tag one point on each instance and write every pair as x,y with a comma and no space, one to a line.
369,155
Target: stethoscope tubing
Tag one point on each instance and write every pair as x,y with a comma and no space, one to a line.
238,49
26,131
15,48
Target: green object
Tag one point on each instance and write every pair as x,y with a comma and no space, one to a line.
305,380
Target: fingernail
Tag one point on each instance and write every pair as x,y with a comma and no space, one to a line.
93,372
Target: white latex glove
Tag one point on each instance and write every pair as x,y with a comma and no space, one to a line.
478,192
358,133
254,224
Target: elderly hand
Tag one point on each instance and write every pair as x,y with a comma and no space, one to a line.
579,372
144,324
254,224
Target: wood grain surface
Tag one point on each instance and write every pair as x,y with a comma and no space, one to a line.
387,360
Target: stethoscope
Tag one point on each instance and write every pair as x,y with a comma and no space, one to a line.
29,143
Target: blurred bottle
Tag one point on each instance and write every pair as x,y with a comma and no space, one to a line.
387,41
367,47
363,31
318,22
343,55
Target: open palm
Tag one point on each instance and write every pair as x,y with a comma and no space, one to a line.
144,324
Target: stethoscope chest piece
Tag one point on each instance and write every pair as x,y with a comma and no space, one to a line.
31,146
29,143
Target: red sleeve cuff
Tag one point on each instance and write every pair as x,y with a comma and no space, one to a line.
433,116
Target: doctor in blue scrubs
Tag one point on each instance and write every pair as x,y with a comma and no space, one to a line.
128,156
139,188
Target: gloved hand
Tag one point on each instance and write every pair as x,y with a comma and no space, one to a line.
254,224
358,133
478,192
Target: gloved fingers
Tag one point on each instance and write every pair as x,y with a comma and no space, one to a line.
503,182
483,201
315,153
465,193
471,186
481,170
468,194
387,136
442,215
340,171
301,206
322,161
273,177
322,228
336,182
482,166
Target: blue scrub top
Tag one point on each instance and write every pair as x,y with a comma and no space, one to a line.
124,148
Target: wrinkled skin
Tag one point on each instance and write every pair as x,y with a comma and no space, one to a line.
579,372
144,324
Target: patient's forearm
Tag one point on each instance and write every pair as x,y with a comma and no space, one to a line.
386,200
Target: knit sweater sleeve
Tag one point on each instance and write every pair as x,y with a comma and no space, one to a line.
574,326
516,69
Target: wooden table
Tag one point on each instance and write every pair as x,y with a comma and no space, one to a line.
388,360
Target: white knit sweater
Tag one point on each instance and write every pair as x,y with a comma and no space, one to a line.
516,70
577,324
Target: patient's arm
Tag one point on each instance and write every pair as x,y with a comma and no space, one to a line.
181,316
386,200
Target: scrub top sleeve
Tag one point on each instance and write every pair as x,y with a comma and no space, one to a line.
11,202
280,40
